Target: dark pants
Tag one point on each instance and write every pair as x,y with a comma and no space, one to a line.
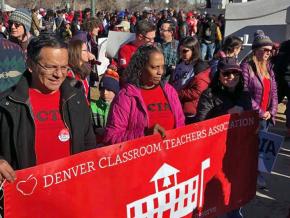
287,113
265,124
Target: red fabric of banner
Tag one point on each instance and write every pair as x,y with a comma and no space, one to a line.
201,170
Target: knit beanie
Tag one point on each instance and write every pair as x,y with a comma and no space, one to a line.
110,81
260,40
23,16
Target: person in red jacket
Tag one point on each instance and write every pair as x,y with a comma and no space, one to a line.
192,76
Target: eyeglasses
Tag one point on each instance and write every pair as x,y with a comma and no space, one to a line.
227,73
52,69
16,24
184,51
148,39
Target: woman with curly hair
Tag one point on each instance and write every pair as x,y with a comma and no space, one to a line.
145,105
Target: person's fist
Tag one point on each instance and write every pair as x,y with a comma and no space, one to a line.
6,172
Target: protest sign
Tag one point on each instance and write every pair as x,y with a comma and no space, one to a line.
115,40
200,170
102,47
269,146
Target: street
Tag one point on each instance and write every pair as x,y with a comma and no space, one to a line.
274,202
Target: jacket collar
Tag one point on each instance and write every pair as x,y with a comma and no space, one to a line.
134,91
21,91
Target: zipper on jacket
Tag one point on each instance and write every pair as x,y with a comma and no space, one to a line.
63,118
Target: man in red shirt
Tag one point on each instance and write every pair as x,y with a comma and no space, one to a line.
145,34
45,117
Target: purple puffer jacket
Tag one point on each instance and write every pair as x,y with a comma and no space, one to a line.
128,116
253,83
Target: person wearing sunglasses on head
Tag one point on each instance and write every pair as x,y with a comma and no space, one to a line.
19,27
260,81
191,77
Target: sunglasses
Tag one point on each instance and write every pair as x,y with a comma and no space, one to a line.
266,50
16,24
229,72
184,51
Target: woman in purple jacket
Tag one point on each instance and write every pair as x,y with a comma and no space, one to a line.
260,81
145,105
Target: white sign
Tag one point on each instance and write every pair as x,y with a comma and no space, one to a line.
102,46
115,40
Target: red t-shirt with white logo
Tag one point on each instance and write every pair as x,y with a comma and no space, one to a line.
158,108
125,54
51,135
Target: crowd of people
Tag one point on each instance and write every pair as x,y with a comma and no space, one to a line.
179,70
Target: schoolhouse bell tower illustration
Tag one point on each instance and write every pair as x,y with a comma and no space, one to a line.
171,199
165,173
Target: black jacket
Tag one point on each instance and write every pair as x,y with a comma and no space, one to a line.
17,135
207,32
216,101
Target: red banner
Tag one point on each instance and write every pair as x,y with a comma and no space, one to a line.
201,170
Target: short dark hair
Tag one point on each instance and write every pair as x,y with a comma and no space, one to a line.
192,43
232,42
144,26
171,25
43,41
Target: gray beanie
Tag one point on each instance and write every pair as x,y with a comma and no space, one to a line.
260,40
23,16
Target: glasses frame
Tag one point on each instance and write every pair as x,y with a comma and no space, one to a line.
149,39
226,74
266,50
16,24
53,69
